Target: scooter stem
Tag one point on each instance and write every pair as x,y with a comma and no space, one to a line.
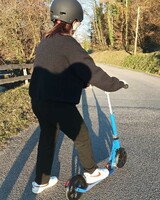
114,128
109,103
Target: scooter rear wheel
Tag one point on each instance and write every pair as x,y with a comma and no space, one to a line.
76,182
121,157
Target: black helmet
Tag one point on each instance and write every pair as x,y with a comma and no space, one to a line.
66,10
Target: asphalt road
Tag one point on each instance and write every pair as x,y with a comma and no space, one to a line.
137,112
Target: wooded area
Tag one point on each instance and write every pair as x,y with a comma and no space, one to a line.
115,25
126,24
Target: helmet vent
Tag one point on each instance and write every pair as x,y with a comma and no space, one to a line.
62,13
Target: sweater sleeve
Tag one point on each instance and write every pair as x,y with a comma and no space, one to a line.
98,77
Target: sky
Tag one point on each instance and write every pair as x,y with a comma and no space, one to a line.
83,32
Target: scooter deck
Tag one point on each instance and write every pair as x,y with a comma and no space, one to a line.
89,187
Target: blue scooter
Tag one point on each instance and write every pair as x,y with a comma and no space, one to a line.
77,185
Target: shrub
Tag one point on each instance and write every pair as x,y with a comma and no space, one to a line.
15,112
144,62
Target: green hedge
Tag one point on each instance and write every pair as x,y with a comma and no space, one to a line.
149,63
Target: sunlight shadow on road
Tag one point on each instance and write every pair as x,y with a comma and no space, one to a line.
18,166
27,193
101,141
56,170
104,138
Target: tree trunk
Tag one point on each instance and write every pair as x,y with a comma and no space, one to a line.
137,26
126,33
110,25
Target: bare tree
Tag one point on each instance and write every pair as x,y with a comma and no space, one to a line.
22,25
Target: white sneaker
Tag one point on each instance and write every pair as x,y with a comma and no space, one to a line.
39,188
97,175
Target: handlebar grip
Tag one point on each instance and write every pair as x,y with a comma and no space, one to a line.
126,86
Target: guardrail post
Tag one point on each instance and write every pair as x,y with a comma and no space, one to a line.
25,77
25,74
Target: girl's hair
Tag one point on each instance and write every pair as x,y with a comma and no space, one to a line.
59,27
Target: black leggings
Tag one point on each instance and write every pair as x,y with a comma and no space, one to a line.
65,117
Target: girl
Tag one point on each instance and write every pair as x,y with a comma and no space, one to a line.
62,68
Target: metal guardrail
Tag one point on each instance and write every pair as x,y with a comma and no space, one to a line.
11,67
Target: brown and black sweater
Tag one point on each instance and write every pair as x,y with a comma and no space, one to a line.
62,68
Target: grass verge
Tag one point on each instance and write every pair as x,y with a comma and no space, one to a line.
110,57
149,63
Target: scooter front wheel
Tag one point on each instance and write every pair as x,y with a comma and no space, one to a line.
76,182
121,157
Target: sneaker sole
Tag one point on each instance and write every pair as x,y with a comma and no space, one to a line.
39,189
